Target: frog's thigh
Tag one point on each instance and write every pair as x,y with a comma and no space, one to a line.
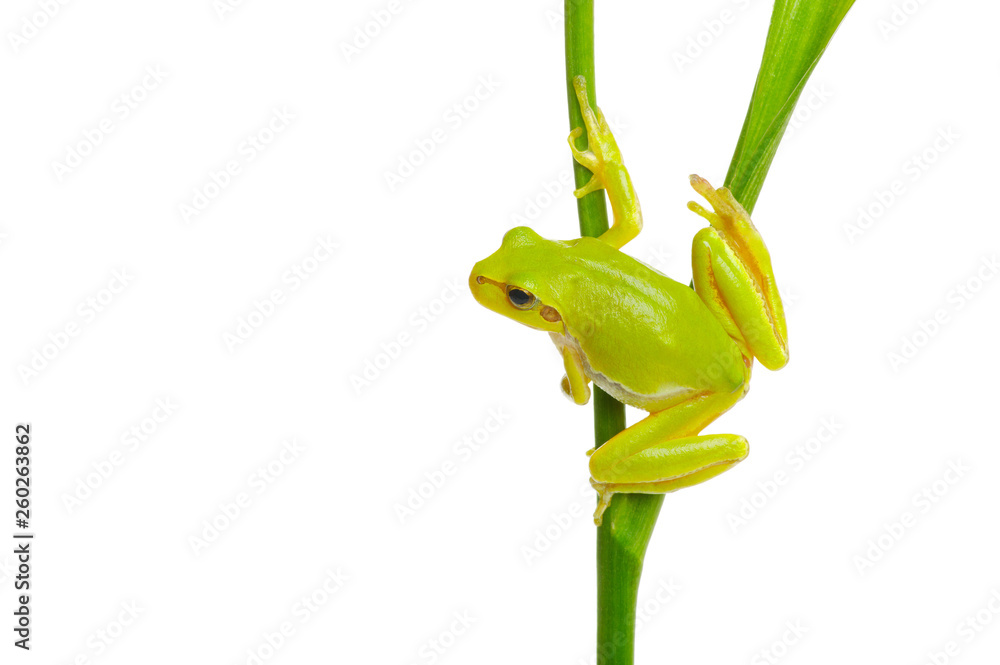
673,464
735,296
665,446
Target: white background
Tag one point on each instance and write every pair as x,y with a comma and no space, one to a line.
474,547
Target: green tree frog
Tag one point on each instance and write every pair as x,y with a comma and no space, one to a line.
683,354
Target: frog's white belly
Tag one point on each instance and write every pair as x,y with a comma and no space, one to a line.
669,395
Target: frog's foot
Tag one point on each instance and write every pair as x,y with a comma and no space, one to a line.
604,496
584,157
588,159
576,390
602,156
728,215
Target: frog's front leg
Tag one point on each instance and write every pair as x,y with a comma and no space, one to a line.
664,452
576,383
604,160
733,276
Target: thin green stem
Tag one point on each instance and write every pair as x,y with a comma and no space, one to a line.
629,520
580,61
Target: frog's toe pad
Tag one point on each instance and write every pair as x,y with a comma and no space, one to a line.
604,496
595,184
566,389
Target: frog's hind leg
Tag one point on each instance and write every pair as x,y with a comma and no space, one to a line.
733,276
672,465
664,452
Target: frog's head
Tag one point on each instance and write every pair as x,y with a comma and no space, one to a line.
515,280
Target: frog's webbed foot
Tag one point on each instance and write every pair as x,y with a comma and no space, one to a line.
603,158
733,276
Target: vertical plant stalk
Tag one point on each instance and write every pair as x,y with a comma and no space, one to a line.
798,35
629,520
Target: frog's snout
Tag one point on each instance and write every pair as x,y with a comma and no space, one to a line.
476,280
488,292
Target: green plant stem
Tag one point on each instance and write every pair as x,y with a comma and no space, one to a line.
797,37
629,520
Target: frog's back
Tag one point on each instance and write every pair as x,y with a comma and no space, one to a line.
651,341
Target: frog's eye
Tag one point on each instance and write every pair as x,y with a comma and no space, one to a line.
520,298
